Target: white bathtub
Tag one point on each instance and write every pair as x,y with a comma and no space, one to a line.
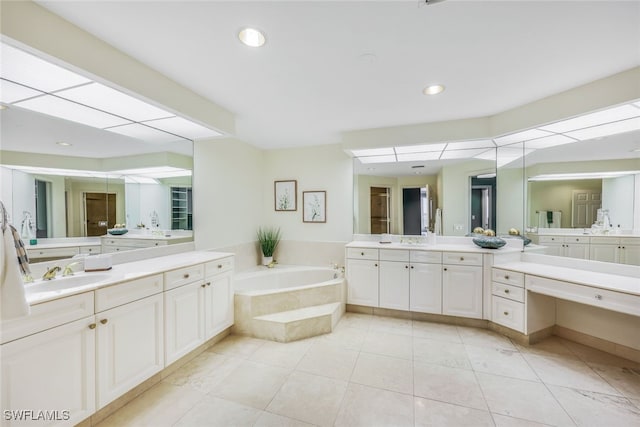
283,277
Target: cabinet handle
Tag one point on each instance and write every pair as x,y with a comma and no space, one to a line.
375,265
506,313
92,326
104,321
445,269
219,265
577,240
406,266
185,276
203,285
461,258
506,291
362,253
412,267
208,283
623,247
506,277
598,296
619,247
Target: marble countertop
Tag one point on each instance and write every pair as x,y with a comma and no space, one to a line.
119,273
612,282
444,247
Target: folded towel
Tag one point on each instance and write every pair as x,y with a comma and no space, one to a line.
21,252
13,302
549,217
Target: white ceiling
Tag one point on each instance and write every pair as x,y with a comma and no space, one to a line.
316,76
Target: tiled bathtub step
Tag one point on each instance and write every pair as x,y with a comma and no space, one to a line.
297,324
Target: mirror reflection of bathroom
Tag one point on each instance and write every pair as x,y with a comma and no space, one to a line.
483,202
380,210
418,205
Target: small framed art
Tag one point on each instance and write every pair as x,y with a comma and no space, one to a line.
285,195
314,206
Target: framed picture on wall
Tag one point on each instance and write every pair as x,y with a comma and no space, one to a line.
314,206
285,195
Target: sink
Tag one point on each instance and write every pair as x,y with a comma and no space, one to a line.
68,282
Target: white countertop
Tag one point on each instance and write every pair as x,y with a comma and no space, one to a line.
444,247
122,272
551,233
144,236
71,242
612,282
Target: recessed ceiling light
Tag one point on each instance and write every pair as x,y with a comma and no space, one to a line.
64,144
433,89
251,37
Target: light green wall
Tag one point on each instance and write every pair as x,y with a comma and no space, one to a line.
510,204
556,196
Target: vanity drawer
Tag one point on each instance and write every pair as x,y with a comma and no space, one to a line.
508,313
35,253
603,298
513,278
605,240
362,253
507,291
133,243
462,258
550,239
400,255
123,293
576,239
630,241
90,249
429,257
218,266
47,315
183,276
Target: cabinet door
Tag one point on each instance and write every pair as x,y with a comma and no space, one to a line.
52,370
576,250
184,320
630,254
556,249
362,278
604,253
462,291
130,346
218,303
425,288
394,285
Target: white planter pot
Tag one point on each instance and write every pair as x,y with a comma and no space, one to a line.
266,260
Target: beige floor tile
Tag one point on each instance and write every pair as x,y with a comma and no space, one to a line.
384,372
309,398
356,320
205,372
346,337
552,346
593,355
161,405
214,412
595,409
436,331
508,363
636,402
267,419
439,352
522,399
451,385
505,421
569,373
252,384
329,361
391,325
237,345
441,414
368,406
388,344
484,338
282,355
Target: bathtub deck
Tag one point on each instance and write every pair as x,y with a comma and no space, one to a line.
298,324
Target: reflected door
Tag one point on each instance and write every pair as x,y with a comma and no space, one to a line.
380,206
100,213
584,209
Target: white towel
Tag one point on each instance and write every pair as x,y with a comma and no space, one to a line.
13,302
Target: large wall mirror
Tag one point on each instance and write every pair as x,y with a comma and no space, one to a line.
396,195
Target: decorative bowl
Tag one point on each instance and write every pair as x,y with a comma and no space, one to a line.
117,231
489,242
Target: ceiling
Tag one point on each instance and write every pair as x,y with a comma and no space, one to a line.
331,67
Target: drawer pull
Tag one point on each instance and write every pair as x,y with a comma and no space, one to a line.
219,265
445,269
92,326
506,277
375,265
406,266
412,267
362,253
104,321
203,285
185,276
506,313
506,291
461,258
598,296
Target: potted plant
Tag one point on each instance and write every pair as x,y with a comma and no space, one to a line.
268,238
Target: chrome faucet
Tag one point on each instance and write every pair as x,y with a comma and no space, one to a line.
68,271
51,273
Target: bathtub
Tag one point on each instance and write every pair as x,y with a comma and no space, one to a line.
286,303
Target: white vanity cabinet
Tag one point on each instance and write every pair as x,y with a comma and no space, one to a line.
624,250
50,367
130,336
425,282
462,284
218,296
362,276
508,299
394,279
567,246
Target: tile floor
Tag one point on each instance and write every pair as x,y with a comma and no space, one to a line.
378,371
